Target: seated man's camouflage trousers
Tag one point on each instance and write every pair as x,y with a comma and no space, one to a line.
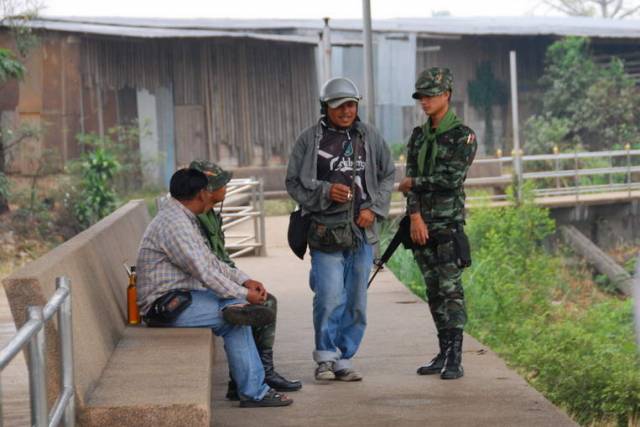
264,336
444,286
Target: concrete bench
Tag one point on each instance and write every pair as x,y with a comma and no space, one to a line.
124,375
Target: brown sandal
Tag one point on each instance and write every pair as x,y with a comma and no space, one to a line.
271,399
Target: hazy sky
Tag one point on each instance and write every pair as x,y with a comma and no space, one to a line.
317,9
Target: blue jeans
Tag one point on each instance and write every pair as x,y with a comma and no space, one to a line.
339,281
244,363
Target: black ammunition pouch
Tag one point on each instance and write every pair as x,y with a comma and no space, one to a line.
463,249
167,308
451,246
331,236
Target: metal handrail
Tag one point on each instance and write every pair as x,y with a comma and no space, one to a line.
568,180
253,209
32,333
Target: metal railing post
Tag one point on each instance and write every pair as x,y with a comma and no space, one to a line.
263,233
627,147
1,411
576,166
66,348
517,152
37,371
254,204
610,175
556,161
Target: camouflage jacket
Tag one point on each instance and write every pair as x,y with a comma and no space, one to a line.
211,226
440,195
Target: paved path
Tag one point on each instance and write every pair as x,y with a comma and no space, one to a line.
14,379
400,336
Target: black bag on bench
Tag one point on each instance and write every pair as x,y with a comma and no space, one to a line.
166,309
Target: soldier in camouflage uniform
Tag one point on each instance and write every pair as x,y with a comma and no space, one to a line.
211,224
439,155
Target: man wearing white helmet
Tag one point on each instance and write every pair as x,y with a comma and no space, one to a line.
341,174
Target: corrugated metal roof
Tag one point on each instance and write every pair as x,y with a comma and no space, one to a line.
91,26
516,26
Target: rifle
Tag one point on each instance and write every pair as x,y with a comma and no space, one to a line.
403,235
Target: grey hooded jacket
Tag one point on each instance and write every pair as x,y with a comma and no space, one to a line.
313,195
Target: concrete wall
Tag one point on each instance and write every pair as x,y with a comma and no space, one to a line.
607,225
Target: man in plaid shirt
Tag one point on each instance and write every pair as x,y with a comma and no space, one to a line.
174,257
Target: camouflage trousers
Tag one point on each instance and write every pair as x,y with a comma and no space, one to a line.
264,336
443,279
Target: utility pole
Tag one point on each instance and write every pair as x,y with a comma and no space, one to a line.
636,294
369,96
326,50
517,153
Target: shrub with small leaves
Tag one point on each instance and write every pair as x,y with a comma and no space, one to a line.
97,197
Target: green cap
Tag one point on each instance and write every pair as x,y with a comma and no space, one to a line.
433,82
217,176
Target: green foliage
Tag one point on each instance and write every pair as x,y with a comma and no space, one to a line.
398,150
4,186
122,142
542,133
279,206
402,262
485,92
583,360
583,103
96,198
10,67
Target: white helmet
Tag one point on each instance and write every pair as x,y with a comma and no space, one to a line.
337,91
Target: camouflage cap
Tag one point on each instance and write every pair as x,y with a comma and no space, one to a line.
217,176
433,82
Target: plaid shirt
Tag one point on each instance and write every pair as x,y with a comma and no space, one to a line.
174,255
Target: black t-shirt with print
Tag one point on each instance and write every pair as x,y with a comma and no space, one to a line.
336,155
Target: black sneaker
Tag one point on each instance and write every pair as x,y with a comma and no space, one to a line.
248,315
348,374
270,400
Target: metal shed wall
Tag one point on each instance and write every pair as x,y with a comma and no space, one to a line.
257,95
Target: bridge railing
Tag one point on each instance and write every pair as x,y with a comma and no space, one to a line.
32,334
557,174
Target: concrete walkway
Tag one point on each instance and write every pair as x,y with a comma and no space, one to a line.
400,336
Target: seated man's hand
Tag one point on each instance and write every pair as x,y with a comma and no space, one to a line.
254,285
405,185
340,193
365,218
255,297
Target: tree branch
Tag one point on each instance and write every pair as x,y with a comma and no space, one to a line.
629,12
18,140
619,4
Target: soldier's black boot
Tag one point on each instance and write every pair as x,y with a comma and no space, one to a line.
232,390
274,379
453,363
437,363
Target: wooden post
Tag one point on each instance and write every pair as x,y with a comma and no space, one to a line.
597,258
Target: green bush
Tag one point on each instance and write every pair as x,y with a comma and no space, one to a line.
4,186
96,198
583,360
583,103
